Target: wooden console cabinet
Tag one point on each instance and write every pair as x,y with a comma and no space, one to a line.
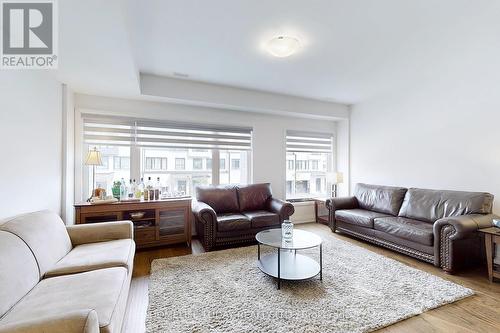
321,211
164,222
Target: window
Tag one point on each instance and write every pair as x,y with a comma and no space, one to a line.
197,163
156,163
235,164
318,185
239,168
180,155
309,160
104,176
105,162
181,186
302,186
180,163
302,165
178,176
121,163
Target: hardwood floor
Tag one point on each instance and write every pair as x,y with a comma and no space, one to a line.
479,313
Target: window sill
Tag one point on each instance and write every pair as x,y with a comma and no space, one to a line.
294,200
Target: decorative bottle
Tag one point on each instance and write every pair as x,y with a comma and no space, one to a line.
157,189
123,189
139,189
287,230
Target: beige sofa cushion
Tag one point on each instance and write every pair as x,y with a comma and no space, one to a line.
80,321
102,290
18,270
88,257
45,234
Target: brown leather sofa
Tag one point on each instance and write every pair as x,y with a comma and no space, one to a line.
439,227
229,215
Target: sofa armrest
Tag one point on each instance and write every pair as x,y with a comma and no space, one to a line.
451,229
463,225
205,220
341,203
283,208
100,232
334,204
81,321
203,212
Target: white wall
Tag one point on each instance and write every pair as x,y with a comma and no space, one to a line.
269,130
438,127
30,136
441,131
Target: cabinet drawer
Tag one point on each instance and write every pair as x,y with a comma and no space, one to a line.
144,235
100,217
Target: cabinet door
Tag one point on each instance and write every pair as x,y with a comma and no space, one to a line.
100,217
322,210
172,222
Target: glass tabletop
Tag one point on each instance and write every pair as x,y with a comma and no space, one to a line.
301,239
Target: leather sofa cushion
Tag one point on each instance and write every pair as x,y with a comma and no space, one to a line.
412,230
432,205
100,290
382,199
402,242
359,217
45,234
223,199
232,222
18,270
92,256
254,197
262,218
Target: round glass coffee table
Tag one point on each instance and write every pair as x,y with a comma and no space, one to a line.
285,263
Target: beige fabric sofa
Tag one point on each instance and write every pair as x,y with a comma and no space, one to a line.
55,278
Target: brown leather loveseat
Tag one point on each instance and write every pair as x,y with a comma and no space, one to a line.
439,227
228,215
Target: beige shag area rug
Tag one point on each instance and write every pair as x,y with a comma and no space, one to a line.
224,291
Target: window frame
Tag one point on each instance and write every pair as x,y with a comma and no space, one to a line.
178,166
319,169
197,166
137,164
235,164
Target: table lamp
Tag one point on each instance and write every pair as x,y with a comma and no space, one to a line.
338,178
94,159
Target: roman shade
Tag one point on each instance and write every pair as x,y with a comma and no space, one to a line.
298,141
122,131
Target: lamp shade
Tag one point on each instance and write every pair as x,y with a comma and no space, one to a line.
93,157
338,178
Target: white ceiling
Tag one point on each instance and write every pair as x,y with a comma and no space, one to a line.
352,49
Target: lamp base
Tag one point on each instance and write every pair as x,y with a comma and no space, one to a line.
334,190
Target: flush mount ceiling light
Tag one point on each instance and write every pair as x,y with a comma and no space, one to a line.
283,46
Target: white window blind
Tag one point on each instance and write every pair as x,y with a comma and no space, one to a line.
155,134
106,131
298,141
